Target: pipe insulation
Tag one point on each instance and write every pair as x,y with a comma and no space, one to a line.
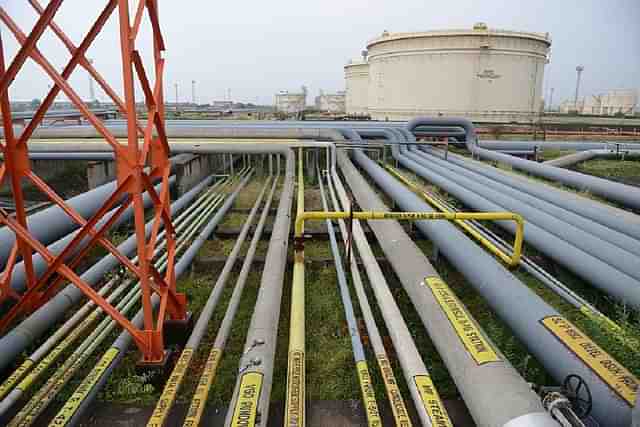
16,340
531,319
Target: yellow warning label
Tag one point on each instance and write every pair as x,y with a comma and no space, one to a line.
246,410
294,415
605,366
368,395
476,344
432,403
69,409
393,392
163,407
199,399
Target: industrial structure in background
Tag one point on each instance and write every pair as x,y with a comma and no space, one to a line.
331,102
356,76
480,73
291,102
617,102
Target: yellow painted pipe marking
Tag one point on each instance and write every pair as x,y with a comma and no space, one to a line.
368,395
393,392
199,400
476,344
602,364
512,261
168,396
246,409
432,403
294,415
53,354
15,376
71,406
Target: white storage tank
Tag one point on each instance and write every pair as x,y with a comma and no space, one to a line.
356,76
291,103
478,73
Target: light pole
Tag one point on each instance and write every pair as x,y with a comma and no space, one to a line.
579,70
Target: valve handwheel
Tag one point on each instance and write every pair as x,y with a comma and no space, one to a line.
578,393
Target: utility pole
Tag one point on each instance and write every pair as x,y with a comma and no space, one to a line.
579,70
193,92
176,86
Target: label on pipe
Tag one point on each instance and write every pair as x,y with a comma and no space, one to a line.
168,396
395,398
294,415
200,396
368,395
246,410
602,364
432,403
476,344
69,409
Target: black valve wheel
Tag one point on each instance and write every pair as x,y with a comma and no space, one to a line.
579,395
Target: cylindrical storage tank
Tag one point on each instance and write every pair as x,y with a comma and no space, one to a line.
481,74
356,76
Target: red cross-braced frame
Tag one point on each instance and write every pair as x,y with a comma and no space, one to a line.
141,162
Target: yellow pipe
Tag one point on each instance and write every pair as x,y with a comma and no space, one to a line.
294,407
512,261
421,216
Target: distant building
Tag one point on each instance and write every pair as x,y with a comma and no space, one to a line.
615,102
291,103
331,102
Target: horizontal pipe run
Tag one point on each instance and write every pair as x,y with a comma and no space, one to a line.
16,340
197,406
570,226
494,392
595,271
532,320
72,411
257,361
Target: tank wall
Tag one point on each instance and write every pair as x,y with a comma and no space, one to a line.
468,75
357,89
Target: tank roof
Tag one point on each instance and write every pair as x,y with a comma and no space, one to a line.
478,29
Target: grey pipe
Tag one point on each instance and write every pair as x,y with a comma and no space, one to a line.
53,223
553,145
514,302
624,194
122,343
260,344
583,264
583,156
494,392
19,279
617,219
602,242
16,340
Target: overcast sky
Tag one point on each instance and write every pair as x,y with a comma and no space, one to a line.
255,48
